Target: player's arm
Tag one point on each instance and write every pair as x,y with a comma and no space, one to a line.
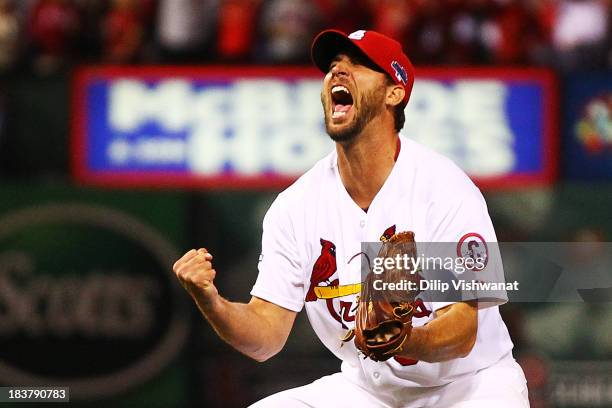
258,329
451,334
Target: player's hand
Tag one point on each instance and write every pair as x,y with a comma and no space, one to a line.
195,272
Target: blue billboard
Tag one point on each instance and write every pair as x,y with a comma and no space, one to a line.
587,127
244,127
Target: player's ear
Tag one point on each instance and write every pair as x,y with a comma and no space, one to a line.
395,95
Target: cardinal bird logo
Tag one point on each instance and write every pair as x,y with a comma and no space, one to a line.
323,269
389,232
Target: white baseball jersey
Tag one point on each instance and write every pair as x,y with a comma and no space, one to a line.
313,231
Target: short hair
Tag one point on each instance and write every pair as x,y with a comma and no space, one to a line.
398,114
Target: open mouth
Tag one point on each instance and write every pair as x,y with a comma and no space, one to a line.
342,101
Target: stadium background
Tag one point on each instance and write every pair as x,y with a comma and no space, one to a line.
86,294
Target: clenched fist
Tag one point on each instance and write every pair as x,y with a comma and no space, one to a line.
195,272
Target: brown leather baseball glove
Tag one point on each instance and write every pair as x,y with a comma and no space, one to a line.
383,322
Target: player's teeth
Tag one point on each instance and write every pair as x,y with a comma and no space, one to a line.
338,114
339,88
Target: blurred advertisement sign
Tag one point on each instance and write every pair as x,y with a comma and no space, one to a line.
582,384
87,299
245,127
587,130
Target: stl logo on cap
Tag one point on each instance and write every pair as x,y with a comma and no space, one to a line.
400,72
357,35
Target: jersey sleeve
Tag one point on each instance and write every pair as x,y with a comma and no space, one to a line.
460,223
280,279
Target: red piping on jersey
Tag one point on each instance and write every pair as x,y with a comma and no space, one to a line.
397,149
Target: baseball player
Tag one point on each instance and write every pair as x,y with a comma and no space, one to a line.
375,184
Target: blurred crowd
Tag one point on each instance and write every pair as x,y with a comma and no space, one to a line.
49,34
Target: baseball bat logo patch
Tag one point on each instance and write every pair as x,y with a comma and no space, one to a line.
472,245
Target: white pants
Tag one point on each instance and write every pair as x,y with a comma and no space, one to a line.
502,385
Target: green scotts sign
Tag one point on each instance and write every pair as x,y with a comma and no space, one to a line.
87,299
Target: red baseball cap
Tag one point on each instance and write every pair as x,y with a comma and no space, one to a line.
384,52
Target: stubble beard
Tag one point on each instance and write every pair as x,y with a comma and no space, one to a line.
371,104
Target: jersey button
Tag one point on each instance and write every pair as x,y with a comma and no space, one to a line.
362,223
376,375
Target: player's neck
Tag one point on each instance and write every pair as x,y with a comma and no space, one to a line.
365,164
